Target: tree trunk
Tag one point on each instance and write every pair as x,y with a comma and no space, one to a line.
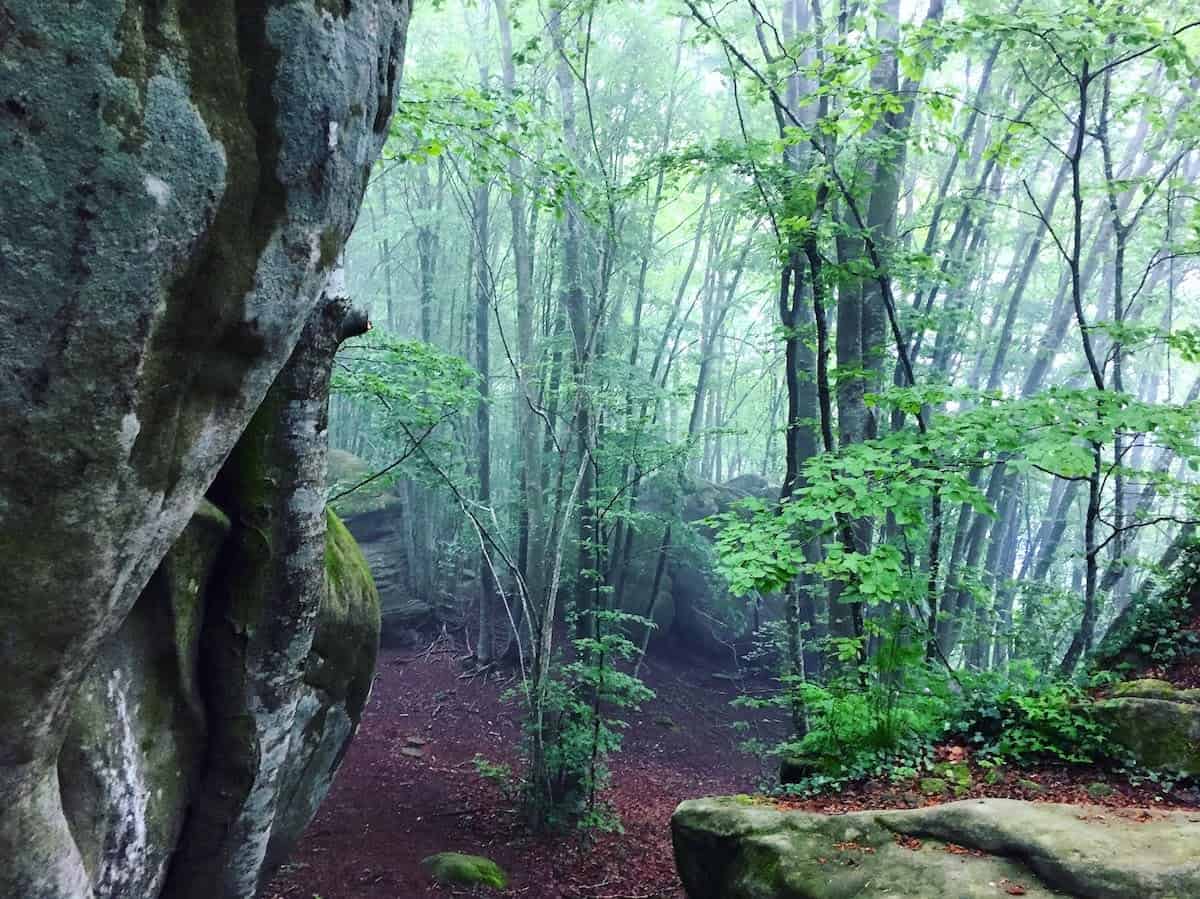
531,511
575,305
488,596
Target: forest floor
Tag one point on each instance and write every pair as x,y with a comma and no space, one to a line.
409,788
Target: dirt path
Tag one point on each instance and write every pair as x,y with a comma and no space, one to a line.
408,789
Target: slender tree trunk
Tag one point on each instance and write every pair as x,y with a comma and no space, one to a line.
575,305
488,596
531,511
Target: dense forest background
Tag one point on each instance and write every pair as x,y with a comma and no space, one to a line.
856,341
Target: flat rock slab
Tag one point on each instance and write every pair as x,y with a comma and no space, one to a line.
740,848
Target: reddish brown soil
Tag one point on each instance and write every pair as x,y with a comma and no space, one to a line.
409,789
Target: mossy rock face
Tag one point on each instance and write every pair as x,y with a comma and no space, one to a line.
1157,724
347,471
129,765
692,604
342,662
725,849
136,747
457,869
337,682
1151,688
177,180
375,515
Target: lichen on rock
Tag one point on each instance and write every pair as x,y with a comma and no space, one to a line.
1156,723
172,203
729,849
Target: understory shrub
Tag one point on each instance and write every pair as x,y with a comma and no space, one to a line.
1022,719
879,718
880,722
568,747
1155,631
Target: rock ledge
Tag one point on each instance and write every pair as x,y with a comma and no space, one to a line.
740,848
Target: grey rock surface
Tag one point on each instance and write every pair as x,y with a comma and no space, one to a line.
176,181
136,748
737,848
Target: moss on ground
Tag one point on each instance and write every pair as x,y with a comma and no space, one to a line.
456,868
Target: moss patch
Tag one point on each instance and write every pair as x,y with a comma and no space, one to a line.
346,642
1150,688
465,870
934,786
1158,733
347,471
1100,790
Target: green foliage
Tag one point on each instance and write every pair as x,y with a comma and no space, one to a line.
581,725
1156,632
884,717
895,478
410,390
1024,720
648,167
856,732
418,385
878,718
885,729
498,773
438,117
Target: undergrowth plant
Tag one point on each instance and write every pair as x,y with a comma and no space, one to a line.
568,756
1154,631
886,718
1022,718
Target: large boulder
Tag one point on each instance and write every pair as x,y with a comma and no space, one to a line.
177,181
377,517
136,749
136,744
337,683
1158,724
692,605
739,848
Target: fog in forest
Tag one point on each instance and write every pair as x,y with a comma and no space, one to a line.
569,449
